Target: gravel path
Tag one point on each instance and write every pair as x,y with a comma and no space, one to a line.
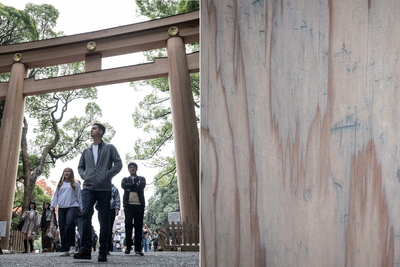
115,259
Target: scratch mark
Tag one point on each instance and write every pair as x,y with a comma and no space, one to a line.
311,33
340,128
398,174
304,26
373,63
255,2
338,185
307,195
388,80
356,65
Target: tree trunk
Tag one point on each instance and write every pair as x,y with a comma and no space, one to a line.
29,183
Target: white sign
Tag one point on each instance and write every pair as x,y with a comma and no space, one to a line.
3,228
174,217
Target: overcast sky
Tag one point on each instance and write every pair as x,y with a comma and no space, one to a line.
117,101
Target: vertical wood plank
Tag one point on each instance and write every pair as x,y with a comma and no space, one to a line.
10,139
185,129
92,62
299,133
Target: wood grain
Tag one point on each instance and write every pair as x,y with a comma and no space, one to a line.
10,139
186,133
299,123
92,62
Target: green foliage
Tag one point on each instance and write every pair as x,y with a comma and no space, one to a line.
16,26
40,198
165,8
165,198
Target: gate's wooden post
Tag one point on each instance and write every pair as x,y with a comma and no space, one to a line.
186,134
10,140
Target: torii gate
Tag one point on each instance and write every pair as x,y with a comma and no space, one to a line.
171,32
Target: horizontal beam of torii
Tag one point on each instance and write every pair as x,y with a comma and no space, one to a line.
133,38
102,77
171,32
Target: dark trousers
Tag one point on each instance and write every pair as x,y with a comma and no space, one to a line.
78,222
112,219
134,212
46,240
89,198
66,219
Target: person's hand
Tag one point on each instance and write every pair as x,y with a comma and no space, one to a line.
80,213
116,212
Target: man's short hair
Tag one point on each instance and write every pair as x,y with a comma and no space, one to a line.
101,126
134,164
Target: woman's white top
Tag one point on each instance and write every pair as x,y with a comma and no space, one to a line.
67,197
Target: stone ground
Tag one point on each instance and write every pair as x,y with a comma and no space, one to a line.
115,259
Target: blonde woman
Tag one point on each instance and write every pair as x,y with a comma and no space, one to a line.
31,225
68,199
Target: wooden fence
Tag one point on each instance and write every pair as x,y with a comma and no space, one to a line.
183,235
16,243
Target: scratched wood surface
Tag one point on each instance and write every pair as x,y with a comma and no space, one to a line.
300,123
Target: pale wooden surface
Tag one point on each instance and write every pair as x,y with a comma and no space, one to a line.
110,42
92,62
10,139
186,134
300,133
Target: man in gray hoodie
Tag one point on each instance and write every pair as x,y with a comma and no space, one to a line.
99,163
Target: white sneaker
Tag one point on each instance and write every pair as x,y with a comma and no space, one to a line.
71,250
63,254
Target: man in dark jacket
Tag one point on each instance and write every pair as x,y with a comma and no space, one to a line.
133,201
99,163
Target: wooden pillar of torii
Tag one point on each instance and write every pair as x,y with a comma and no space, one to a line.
10,140
186,134
91,48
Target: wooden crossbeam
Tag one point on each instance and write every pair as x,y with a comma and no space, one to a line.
110,42
104,77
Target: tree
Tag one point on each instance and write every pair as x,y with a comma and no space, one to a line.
165,198
154,112
54,139
47,189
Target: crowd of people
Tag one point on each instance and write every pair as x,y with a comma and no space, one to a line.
98,164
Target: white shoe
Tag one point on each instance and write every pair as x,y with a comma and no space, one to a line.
71,250
64,254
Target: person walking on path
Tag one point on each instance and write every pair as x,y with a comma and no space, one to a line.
31,224
68,199
117,239
115,206
146,239
45,226
98,164
155,240
94,239
134,203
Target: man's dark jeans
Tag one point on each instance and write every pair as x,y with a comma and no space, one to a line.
89,198
66,218
112,219
134,212
110,239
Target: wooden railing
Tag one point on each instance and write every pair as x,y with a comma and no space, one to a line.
16,243
182,236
